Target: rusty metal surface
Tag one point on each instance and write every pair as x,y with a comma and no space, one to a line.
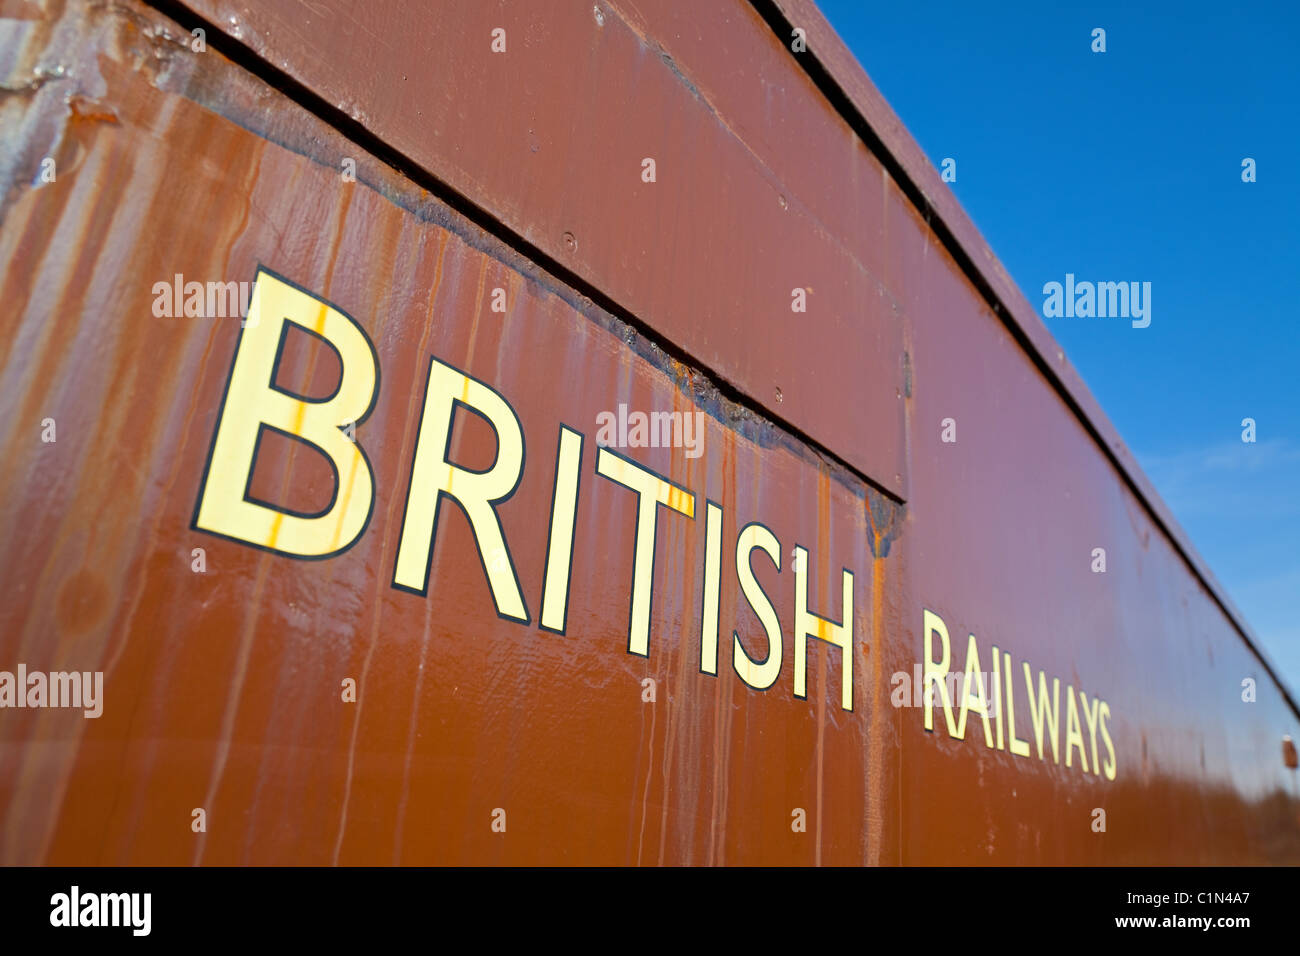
1003,526
827,55
222,688
760,188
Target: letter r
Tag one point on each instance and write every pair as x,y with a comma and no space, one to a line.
477,492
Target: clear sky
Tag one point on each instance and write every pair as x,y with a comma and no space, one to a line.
1127,165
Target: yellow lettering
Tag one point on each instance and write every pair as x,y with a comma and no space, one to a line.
810,625
1018,747
759,675
1107,768
559,547
1039,712
252,402
976,702
712,588
1090,717
477,492
1073,731
651,491
935,670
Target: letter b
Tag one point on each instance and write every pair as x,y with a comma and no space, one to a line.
253,402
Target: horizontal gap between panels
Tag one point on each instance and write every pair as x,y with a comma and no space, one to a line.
248,59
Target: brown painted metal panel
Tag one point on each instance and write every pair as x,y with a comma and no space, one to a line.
752,198
942,209
222,688
1003,523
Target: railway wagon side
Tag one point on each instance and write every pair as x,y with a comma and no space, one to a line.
562,432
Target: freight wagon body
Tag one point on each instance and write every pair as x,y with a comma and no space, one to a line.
562,432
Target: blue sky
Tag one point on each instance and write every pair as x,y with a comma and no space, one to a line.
1126,165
